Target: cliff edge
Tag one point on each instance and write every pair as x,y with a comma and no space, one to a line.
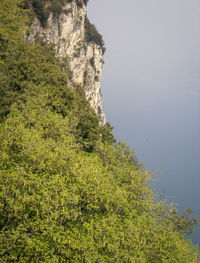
77,41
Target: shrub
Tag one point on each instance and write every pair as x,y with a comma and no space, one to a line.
92,35
55,8
36,65
42,11
66,195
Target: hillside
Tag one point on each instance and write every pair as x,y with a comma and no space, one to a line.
68,191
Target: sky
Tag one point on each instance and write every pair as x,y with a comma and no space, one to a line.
151,89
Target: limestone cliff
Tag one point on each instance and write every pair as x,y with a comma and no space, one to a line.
85,58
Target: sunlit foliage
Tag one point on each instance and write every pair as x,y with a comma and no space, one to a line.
68,191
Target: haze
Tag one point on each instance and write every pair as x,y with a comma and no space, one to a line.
151,88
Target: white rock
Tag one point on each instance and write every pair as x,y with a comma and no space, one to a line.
67,32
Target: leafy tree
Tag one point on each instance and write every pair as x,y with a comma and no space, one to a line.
42,8
61,204
67,192
13,23
23,64
106,134
92,35
35,68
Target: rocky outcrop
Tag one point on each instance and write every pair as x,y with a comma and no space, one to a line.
84,59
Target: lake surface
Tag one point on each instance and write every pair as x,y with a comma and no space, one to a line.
164,129
151,89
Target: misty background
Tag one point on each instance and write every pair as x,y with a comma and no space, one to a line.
151,89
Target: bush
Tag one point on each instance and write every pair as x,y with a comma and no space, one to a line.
61,204
66,195
36,66
55,6
92,35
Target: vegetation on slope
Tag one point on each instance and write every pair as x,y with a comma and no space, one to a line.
42,8
68,193
92,35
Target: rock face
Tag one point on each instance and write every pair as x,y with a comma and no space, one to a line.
84,59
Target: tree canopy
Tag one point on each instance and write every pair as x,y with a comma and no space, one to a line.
68,191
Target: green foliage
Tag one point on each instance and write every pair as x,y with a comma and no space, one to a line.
60,204
67,192
35,68
92,35
85,1
55,8
13,21
184,223
24,64
42,8
106,134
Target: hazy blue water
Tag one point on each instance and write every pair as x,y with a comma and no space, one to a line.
163,126
151,88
